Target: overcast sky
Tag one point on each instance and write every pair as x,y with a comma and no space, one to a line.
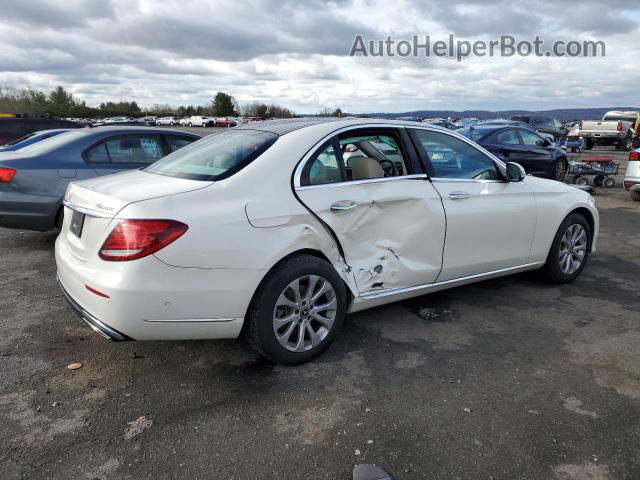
295,53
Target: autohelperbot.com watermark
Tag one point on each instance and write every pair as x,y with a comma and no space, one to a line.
503,46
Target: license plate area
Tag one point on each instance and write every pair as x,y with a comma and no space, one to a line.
77,223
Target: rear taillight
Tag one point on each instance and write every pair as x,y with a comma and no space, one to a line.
133,239
634,156
619,125
6,175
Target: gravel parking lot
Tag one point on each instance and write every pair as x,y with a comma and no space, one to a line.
509,378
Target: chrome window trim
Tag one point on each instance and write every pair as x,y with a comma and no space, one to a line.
464,180
297,173
86,211
363,182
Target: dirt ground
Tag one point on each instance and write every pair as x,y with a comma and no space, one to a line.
510,379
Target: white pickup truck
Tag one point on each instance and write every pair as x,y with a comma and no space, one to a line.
615,128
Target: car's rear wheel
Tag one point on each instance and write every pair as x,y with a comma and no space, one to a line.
59,218
569,251
635,195
297,312
560,171
589,144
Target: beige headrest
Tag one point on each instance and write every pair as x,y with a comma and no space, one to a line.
366,167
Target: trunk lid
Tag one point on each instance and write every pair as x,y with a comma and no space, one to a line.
91,205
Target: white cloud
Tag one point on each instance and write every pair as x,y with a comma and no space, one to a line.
295,53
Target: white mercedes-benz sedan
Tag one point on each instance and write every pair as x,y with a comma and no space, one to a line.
274,231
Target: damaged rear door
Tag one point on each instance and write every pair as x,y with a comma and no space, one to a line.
366,186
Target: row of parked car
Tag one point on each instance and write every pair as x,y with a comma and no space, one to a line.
192,121
616,128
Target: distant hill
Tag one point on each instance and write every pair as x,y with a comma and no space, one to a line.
560,113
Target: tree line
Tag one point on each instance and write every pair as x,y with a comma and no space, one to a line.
60,103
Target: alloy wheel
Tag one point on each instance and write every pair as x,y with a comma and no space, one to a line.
561,170
573,248
304,313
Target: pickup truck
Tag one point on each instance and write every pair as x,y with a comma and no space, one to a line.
615,128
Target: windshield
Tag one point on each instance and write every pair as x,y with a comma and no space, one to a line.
474,133
51,143
215,157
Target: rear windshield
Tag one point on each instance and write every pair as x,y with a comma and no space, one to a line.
21,139
215,157
51,143
475,133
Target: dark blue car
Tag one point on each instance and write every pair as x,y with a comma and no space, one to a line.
31,139
33,180
512,143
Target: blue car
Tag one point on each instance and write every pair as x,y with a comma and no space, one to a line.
31,138
513,143
34,179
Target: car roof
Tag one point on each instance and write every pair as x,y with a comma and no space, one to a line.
282,127
132,129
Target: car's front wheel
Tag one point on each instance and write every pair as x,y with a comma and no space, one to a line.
297,312
569,251
560,170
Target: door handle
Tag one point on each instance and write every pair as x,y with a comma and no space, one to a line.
342,205
459,195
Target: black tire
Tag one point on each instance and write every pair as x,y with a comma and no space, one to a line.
59,218
560,169
597,180
635,195
588,144
259,330
581,180
551,269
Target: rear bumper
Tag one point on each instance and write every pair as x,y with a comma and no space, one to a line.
603,135
97,326
631,182
147,299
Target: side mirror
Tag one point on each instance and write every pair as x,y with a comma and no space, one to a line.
515,172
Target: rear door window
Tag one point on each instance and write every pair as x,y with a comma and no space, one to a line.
97,154
142,149
324,167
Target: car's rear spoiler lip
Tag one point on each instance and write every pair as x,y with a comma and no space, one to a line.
87,211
